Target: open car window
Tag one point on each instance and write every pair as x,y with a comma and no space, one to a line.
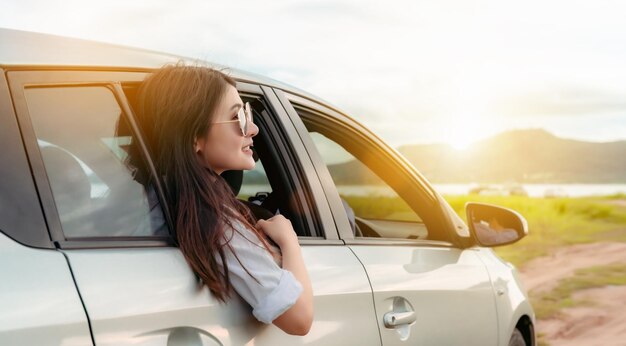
275,184
375,208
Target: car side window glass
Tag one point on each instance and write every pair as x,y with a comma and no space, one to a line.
379,210
255,186
96,188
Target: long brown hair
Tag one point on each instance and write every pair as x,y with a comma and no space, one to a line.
175,106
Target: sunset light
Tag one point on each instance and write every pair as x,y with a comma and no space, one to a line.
468,117
410,63
416,172
465,131
461,144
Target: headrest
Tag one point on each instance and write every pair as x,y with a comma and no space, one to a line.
67,179
234,179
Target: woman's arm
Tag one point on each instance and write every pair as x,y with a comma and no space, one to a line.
297,320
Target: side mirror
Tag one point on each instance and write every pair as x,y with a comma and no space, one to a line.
491,225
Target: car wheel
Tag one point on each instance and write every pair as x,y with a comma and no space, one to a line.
517,339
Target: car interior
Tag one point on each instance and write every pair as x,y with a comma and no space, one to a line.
282,197
366,168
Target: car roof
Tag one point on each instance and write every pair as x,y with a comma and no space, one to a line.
38,50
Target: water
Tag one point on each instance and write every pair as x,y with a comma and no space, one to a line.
541,190
533,190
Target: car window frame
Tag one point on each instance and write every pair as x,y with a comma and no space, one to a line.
21,217
281,162
432,213
294,154
315,208
19,81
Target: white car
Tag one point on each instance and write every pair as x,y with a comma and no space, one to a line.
88,254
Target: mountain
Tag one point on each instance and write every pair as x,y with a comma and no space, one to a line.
524,156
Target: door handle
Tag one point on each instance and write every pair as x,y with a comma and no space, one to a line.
394,319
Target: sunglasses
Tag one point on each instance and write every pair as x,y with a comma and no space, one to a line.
244,118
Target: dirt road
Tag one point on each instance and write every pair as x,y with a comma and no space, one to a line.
603,322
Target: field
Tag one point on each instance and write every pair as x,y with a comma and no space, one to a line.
556,222
552,222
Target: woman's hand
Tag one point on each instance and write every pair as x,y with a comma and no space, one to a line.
279,229
297,320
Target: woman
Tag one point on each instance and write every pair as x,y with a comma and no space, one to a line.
197,127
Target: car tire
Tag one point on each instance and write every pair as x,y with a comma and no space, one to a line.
517,339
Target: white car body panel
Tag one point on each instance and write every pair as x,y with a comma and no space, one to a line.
150,296
449,290
39,304
511,297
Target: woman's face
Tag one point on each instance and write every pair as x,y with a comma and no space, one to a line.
224,147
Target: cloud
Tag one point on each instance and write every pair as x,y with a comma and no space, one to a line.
424,63
568,101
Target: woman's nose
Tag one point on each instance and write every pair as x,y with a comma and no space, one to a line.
254,130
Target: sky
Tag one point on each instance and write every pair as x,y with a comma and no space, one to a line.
413,71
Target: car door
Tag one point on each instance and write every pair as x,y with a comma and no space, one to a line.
135,284
39,304
426,290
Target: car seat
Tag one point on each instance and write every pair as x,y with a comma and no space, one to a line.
234,179
71,190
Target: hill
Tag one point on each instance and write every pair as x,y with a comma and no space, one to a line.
530,156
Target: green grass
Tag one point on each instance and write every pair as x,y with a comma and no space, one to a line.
381,207
618,195
560,222
541,340
554,222
548,304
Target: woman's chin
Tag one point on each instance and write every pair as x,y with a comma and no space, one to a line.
245,164
250,166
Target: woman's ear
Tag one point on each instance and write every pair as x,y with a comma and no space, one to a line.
197,145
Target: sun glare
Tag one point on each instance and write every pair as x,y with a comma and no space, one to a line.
463,131
460,144
467,118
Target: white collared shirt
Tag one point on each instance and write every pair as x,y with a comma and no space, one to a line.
275,289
